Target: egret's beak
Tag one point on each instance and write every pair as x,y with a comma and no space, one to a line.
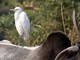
13,10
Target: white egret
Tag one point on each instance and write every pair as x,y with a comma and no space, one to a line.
22,23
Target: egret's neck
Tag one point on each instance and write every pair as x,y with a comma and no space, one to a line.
16,15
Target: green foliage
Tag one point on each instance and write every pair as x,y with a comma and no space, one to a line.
7,27
45,20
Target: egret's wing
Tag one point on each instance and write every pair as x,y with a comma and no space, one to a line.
25,24
26,21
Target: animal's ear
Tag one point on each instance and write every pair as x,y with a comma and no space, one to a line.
68,53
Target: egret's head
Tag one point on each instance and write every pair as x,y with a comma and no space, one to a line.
16,9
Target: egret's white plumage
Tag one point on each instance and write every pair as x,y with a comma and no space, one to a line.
22,23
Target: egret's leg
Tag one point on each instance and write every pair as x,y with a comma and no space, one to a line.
18,41
22,41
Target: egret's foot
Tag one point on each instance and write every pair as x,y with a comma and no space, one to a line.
22,45
18,42
18,45
22,41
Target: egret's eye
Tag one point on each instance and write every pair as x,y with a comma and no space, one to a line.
16,9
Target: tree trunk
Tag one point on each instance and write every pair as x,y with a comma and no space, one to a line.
75,23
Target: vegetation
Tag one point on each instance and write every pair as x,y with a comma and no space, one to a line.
45,17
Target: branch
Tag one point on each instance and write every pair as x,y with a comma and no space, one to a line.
30,6
75,23
62,15
4,10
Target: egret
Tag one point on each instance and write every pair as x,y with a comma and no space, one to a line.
22,23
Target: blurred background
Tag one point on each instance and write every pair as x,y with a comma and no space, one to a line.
46,16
